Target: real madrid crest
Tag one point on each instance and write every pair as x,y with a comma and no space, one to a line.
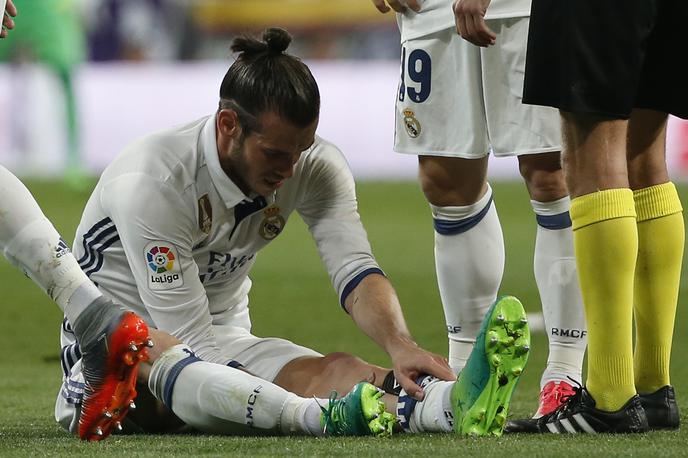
411,123
272,224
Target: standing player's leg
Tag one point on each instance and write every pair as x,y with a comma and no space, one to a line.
469,246
606,244
661,238
30,242
556,277
440,72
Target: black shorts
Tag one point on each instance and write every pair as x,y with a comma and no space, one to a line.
607,56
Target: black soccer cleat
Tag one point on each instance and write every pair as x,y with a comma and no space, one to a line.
579,415
661,408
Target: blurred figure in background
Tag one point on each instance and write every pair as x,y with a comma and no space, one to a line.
50,33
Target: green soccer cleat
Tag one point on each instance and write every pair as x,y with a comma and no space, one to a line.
359,413
480,397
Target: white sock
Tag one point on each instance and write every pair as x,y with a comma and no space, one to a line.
469,259
30,242
557,281
221,400
433,414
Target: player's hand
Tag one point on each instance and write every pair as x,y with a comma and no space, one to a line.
469,16
410,361
7,22
397,5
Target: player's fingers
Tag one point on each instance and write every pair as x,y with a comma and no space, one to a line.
10,8
414,5
408,385
381,6
397,5
461,26
3,33
438,367
484,35
471,32
7,22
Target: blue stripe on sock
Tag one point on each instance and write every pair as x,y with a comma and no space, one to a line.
172,378
355,281
560,221
406,404
446,227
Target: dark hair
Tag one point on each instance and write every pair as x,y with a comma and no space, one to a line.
265,78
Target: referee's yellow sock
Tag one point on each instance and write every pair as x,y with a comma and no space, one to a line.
661,236
605,240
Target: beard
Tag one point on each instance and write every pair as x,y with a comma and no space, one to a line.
236,166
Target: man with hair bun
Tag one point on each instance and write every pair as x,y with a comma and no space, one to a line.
172,230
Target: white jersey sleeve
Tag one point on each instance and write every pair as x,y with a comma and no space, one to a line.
157,240
330,210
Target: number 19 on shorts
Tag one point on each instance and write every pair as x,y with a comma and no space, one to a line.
418,67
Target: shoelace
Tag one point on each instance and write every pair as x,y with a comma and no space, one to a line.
331,402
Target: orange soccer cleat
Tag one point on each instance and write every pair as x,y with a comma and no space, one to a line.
110,365
553,395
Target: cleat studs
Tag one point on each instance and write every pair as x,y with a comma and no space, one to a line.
499,318
494,338
522,350
133,347
118,426
99,431
149,343
107,414
517,371
495,360
132,406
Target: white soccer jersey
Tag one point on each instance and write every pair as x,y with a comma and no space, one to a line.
167,234
436,15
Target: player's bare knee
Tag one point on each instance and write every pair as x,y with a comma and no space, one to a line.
452,181
543,175
344,366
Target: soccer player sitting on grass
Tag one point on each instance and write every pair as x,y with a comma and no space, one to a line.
112,341
172,230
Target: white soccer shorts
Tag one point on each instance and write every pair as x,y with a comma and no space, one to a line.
459,100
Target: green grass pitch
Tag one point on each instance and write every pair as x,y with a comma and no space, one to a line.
292,298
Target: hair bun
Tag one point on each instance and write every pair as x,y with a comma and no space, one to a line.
277,40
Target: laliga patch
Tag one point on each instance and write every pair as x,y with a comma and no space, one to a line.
164,270
272,224
412,125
